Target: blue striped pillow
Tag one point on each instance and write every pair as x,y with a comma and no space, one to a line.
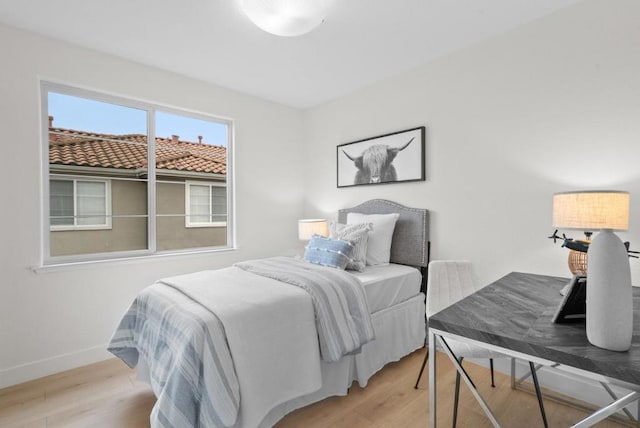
334,253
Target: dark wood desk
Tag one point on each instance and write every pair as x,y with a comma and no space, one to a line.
514,315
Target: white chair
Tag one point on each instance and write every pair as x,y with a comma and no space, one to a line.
450,281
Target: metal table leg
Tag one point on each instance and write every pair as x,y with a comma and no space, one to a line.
432,379
469,382
605,412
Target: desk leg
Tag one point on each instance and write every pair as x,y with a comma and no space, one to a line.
432,379
607,411
615,397
465,377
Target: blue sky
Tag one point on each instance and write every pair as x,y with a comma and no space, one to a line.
94,116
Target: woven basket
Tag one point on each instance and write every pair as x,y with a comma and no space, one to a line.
577,262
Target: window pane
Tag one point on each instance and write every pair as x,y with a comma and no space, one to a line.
92,203
219,205
102,146
199,204
61,202
191,168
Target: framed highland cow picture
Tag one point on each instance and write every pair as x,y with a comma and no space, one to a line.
389,158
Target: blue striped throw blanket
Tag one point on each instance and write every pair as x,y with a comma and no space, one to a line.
190,367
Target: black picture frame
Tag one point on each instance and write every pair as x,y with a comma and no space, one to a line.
366,162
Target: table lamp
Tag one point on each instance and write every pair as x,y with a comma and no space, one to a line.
312,226
609,295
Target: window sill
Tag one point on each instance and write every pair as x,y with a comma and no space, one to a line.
87,264
78,228
197,225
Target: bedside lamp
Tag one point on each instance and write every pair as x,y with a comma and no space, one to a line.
609,295
313,226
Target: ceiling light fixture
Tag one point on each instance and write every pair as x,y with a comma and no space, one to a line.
286,17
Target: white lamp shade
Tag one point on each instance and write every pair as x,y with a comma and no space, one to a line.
591,210
309,227
286,17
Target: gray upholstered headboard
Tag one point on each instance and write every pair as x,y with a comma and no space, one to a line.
410,244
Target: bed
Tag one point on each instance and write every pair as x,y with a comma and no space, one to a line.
266,351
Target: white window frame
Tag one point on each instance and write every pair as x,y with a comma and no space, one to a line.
52,262
187,205
75,225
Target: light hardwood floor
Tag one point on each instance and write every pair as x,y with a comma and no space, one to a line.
106,394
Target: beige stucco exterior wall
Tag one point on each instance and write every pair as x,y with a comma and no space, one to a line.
171,231
130,233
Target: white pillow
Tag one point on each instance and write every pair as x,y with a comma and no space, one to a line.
379,245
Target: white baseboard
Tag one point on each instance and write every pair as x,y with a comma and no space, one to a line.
48,366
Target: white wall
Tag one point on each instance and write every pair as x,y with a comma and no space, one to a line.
549,107
56,320
552,106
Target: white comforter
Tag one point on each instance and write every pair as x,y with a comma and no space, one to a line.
287,361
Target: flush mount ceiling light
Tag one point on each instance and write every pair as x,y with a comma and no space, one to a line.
286,17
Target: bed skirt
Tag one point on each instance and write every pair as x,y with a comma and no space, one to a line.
400,330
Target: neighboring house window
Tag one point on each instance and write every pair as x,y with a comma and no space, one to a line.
79,204
126,178
206,205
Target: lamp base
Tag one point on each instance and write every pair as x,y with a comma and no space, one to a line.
609,294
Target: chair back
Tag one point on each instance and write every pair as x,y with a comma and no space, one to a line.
449,282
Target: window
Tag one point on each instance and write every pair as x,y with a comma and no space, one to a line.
206,205
126,178
79,204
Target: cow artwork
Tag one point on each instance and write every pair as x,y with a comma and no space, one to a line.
390,158
375,164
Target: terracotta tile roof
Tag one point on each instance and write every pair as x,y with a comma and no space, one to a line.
72,147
